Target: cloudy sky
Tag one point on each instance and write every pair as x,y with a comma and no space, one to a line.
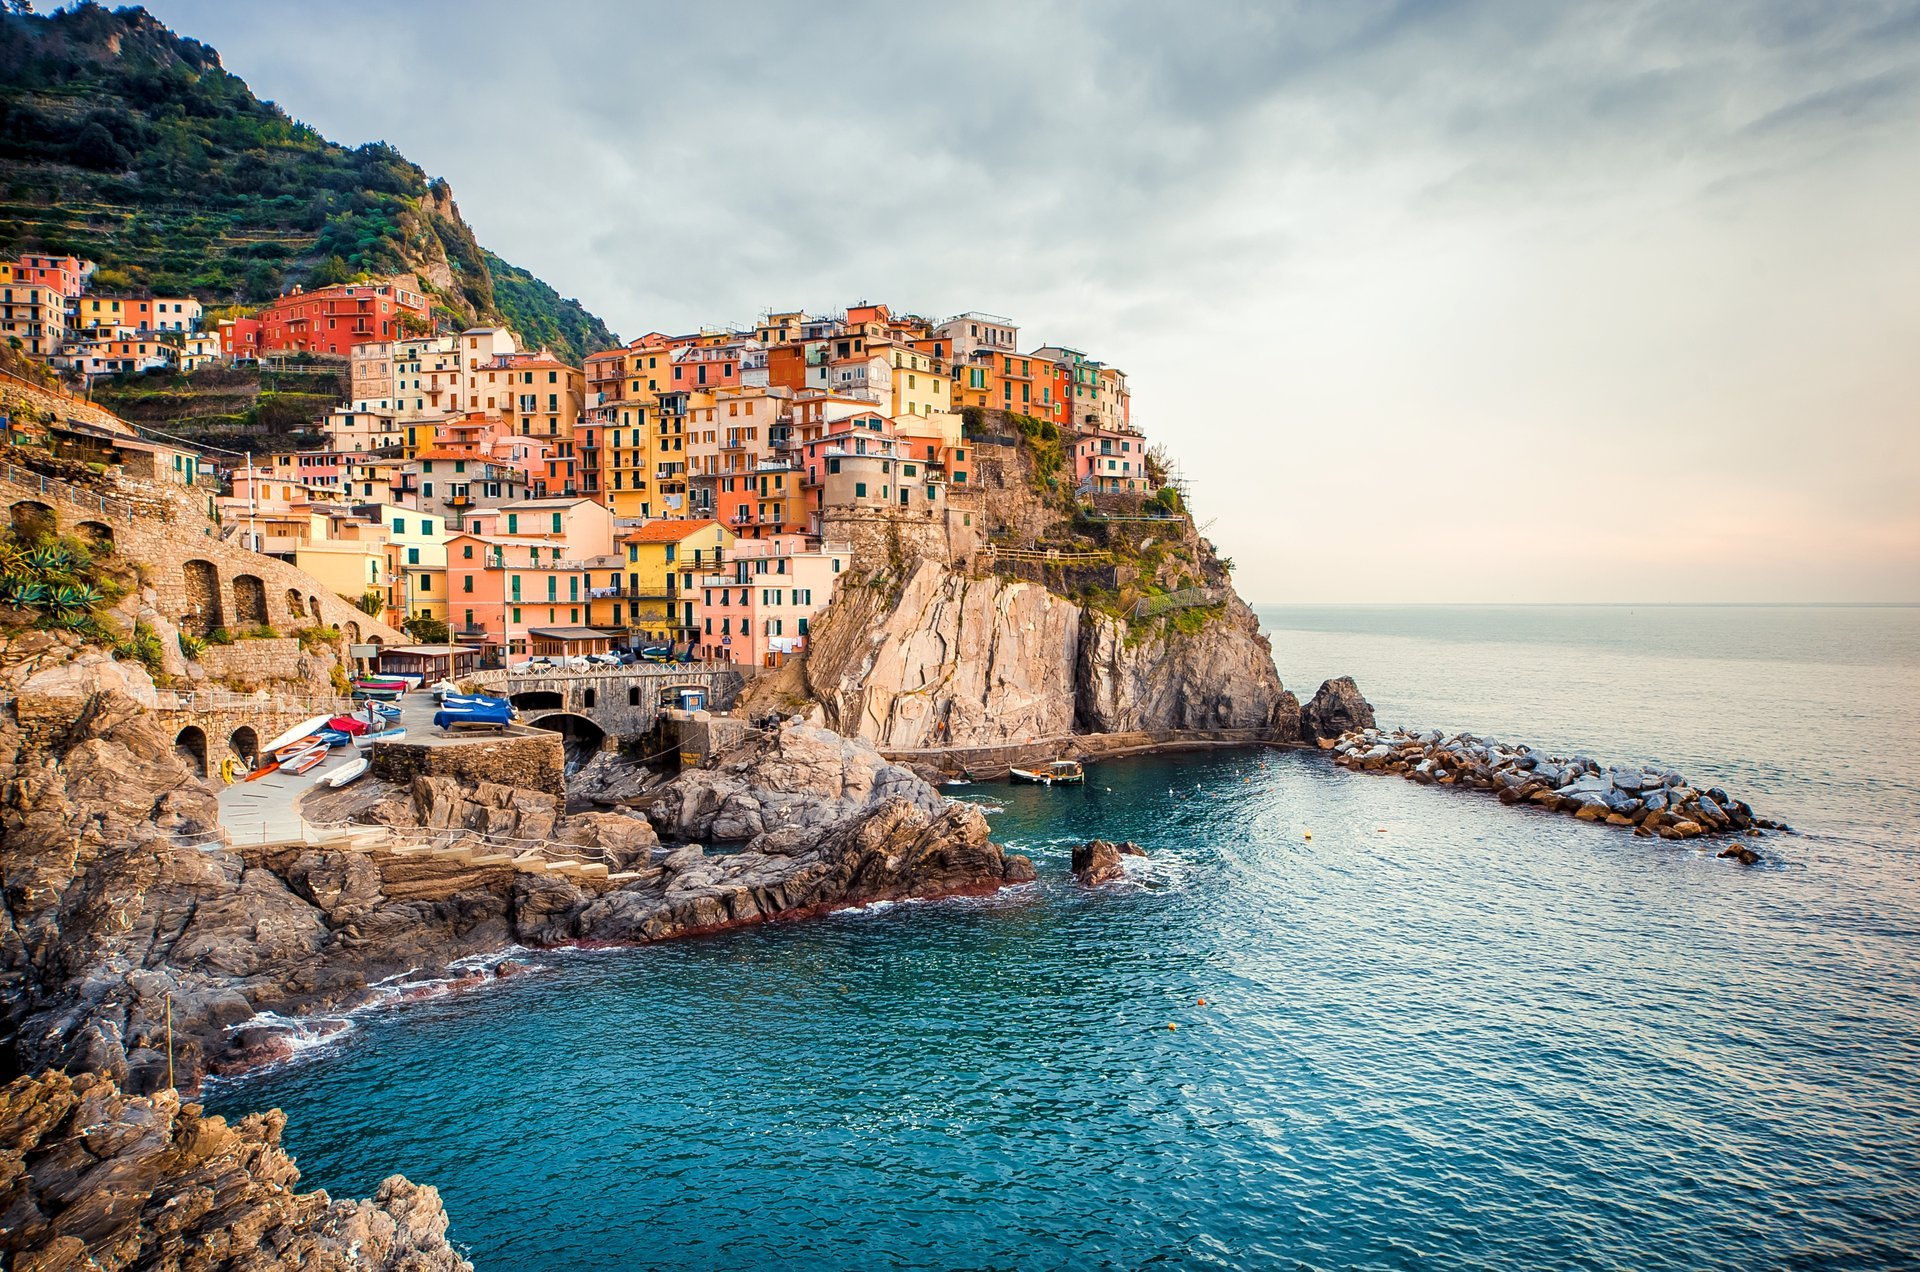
1434,302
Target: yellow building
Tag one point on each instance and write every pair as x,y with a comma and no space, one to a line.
920,384
662,560
350,568
623,456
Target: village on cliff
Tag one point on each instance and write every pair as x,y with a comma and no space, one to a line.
693,495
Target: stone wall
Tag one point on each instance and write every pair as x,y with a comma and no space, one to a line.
253,662
893,541
535,760
200,581
17,397
622,702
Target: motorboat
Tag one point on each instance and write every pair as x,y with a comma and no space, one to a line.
1058,773
297,732
346,773
384,735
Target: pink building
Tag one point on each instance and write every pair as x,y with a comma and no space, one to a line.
499,588
1108,459
758,606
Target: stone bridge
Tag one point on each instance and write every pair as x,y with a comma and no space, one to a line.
614,702
200,583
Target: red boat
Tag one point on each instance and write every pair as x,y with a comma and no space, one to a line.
348,724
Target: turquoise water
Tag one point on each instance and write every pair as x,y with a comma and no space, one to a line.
1437,1033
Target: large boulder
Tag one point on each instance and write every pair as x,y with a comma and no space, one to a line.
1336,709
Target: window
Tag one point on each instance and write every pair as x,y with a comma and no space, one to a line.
556,523
633,695
859,490
413,556
513,523
516,613
466,583
833,465
466,551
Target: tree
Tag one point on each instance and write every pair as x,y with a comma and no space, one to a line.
95,148
427,630
330,271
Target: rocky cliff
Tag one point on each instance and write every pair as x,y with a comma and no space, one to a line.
91,1177
1073,617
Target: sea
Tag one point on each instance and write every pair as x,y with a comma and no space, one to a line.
1332,1020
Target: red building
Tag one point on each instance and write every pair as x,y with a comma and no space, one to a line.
65,274
239,338
334,319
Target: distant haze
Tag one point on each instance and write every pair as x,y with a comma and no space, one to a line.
1433,302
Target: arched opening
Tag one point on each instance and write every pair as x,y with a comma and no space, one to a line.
375,640
34,520
587,698
245,743
353,632
633,695
294,607
581,736
98,536
204,611
537,700
190,744
313,608
249,600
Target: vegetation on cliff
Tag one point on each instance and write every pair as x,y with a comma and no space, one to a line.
126,143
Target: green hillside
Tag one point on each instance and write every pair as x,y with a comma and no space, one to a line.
124,142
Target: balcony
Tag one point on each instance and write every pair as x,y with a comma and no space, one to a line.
604,593
459,501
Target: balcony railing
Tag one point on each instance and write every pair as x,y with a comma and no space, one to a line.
604,593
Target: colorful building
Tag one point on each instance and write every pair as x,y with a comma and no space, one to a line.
757,606
332,320
662,559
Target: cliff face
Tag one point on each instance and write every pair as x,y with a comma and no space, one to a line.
1220,676
955,659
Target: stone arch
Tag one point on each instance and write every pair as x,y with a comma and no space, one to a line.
33,520
353,632
375,640
294,608
588,698
313,608
537,700
245,743
204,611
98,536
633,695
581,736
190,744
249,601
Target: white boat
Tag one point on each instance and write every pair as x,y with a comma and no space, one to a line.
345,773
383,735
1057,773
297,732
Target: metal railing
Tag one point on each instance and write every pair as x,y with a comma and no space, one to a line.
229,700
79,496
1185,598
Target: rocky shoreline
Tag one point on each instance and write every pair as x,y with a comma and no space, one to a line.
91,1177
1651,801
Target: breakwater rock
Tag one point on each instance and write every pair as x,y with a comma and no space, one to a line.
91,1177
1652,801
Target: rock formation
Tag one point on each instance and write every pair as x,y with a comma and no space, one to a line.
1653,801
1336,709
1098,860
92,1177
1219,677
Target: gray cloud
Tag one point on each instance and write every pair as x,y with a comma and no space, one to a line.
1428,225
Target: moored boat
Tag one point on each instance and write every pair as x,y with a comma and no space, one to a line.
305,761
383,735
298,747
1058,773
346,773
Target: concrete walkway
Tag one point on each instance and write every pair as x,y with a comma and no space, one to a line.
263,811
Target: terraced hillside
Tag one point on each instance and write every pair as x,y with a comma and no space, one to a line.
126,143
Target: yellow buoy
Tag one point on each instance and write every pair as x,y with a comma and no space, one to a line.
1172,1026
1309,834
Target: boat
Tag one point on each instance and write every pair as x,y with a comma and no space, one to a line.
346,773
301,747
335,737
262,771
384,735
473,701
381,682
472,718
362,693
1058,773
297,732
351,724
306,761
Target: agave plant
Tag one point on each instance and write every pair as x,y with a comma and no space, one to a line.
23,590
49,558
73,598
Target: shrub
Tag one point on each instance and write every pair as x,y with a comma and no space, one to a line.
192,646
219,636
260,631
315,639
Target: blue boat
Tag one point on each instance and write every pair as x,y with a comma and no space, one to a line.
472,718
